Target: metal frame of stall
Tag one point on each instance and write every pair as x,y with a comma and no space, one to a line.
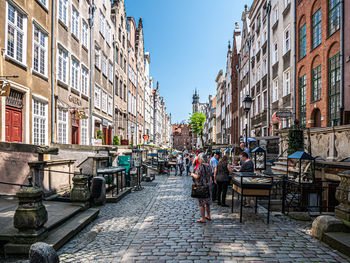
249,189
296,189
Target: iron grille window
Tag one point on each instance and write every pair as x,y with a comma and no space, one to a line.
302,42
316,29
334,90
15,99
334,16
302,101
316,83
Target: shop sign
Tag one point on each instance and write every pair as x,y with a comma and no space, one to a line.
145,137
105,122
284,114
74,100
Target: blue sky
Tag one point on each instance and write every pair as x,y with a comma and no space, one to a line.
188,42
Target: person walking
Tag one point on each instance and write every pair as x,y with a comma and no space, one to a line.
213,163
195,161
203,178
179,164
187,163
222,178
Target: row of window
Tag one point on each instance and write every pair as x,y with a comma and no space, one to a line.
79,74
103,101
316,88
333,26
76,21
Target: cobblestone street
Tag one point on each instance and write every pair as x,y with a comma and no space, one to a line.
158,224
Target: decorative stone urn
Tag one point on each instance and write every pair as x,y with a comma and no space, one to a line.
342,211
30,215
80,191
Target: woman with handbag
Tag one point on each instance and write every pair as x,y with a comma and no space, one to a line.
202,188
222,178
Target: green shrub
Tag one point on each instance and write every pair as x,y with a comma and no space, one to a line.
116,140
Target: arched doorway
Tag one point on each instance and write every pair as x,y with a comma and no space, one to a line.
316,118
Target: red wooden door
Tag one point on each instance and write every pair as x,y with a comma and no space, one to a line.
13,125
75,129
105,135
109,136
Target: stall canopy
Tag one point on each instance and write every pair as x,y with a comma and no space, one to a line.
301,156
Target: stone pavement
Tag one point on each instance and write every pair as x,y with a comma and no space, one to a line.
158,224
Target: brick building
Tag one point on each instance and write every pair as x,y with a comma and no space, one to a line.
318,70
182,137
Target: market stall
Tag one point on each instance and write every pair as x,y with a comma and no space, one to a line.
252,185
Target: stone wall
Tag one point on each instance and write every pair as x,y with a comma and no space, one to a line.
330,144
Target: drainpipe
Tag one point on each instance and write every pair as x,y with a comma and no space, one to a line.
137,104
249,68
295,65
268,10
92,9
342,60
53,24
238,68
127,95
114,88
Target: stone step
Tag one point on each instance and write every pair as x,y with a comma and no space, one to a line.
58,236
120,196
339,241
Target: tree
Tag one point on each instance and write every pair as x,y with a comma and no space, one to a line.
116,140
197,121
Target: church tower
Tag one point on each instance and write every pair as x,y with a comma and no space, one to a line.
195,101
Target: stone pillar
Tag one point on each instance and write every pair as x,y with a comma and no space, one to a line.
342,211
30,216
80,191
37,172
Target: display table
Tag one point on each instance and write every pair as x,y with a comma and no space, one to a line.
252,185
111,175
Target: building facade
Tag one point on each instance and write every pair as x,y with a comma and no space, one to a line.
25,71
182,137
318,63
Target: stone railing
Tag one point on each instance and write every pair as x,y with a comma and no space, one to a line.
330,144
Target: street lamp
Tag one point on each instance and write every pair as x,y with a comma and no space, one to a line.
247,104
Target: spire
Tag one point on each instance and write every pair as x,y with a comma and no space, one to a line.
140,23
229,45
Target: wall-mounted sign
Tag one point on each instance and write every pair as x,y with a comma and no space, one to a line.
5,89
104,122
284,114
145,137
81,115
74,100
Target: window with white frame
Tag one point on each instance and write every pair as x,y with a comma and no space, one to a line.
286,40
286,3
108,33
104,101
275,90
84,81
75,74
39,132
62,11
104,65
75,22
102,24
275,53
110,105
98,57
62,61
110,72
286,82
62,125
84,131
40,46
16,33
275,15
84,34
45,3
97,97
